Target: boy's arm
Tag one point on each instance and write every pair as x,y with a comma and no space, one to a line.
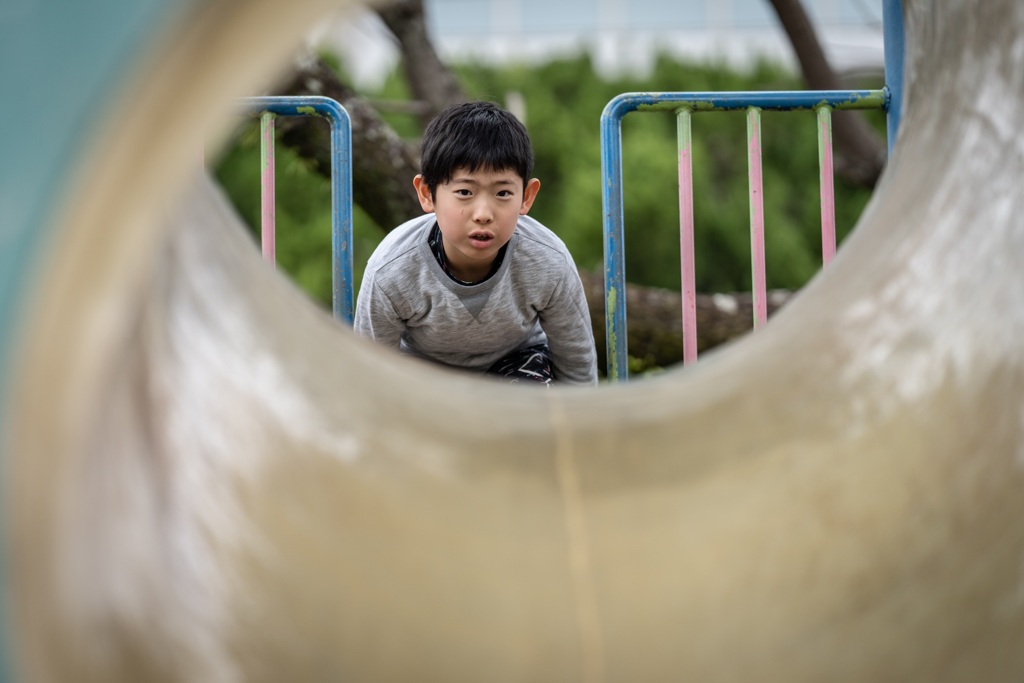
376,316
566,322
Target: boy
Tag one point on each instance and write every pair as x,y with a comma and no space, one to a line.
477,284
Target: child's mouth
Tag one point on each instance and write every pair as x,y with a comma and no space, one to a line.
481,240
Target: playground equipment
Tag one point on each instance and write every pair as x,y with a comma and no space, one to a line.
342,286
684,105
206,484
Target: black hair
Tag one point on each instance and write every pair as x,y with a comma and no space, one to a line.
474,136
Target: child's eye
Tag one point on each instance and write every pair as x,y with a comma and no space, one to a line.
505,193
463,192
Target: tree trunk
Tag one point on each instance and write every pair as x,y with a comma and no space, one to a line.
430,80
655,319
861,152
383,164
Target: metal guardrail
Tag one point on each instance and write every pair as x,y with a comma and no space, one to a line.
268,108
684,105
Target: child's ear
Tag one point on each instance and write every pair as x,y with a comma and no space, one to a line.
423,192
529,194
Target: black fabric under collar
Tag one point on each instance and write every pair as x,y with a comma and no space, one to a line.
437,249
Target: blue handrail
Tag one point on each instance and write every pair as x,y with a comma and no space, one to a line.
343,290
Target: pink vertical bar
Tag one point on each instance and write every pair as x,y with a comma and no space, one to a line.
267,215
756,217
687,265
827,185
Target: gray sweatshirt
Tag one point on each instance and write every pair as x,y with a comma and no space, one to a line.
409,303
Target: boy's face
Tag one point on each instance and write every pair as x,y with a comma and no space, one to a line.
477,213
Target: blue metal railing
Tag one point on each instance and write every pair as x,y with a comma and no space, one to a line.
343,291
889,99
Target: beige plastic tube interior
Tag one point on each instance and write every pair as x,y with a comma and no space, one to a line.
213,481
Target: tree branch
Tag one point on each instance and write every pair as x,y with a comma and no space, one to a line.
862,153
383,164
430,80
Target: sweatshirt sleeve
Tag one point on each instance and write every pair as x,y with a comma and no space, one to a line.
375,315
566,322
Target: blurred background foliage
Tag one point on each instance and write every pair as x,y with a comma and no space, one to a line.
562,101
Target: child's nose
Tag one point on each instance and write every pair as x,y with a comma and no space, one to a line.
482,212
